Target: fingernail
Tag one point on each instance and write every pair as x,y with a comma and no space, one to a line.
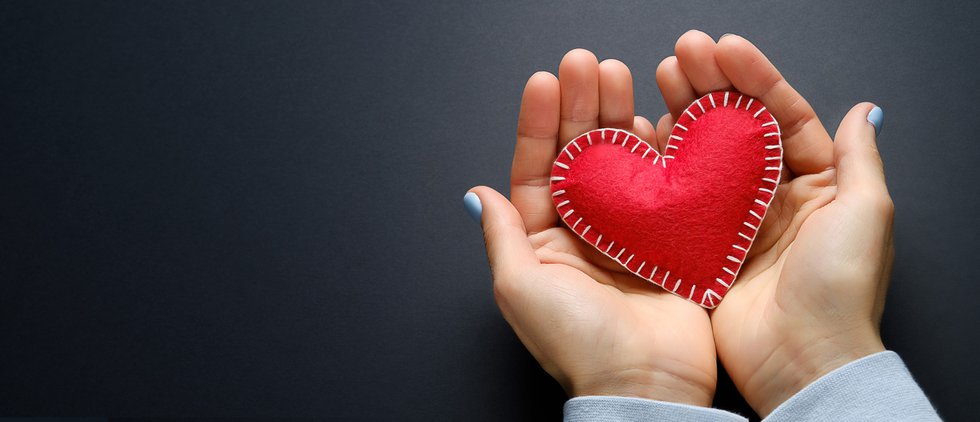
877,118
726,35
473,206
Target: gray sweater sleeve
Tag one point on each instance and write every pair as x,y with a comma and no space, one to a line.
630,409
876,387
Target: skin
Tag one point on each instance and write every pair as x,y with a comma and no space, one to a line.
809,297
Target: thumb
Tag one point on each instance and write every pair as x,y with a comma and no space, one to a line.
860,173
508,249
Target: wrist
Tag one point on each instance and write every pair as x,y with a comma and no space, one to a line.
692,389
791,368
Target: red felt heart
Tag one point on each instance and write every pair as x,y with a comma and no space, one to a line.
684,220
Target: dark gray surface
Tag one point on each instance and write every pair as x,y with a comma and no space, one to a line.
240,208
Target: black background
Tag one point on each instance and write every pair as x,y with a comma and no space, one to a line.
254,209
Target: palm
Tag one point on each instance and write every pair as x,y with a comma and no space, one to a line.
631,324
797,231
798,271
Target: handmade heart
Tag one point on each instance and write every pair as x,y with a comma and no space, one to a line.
685,219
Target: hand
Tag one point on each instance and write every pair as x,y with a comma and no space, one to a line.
593,326
810,295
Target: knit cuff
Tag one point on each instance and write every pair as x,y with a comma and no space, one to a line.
875,387
629,409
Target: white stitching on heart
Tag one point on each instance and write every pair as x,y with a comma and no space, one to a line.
709,298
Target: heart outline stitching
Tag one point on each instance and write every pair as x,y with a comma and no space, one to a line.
772,176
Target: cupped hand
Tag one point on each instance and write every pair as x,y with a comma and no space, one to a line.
596,328
810,295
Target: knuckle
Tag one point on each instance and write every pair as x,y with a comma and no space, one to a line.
504,288
882,204
541,238
621,121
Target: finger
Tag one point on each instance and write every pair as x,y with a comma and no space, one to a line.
563,247
644,130
860,174
537,144
664,126
615,95
579,77
674,86
506,240
807,146
695,52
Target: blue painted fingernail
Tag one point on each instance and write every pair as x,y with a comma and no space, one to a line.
877,118
473,206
